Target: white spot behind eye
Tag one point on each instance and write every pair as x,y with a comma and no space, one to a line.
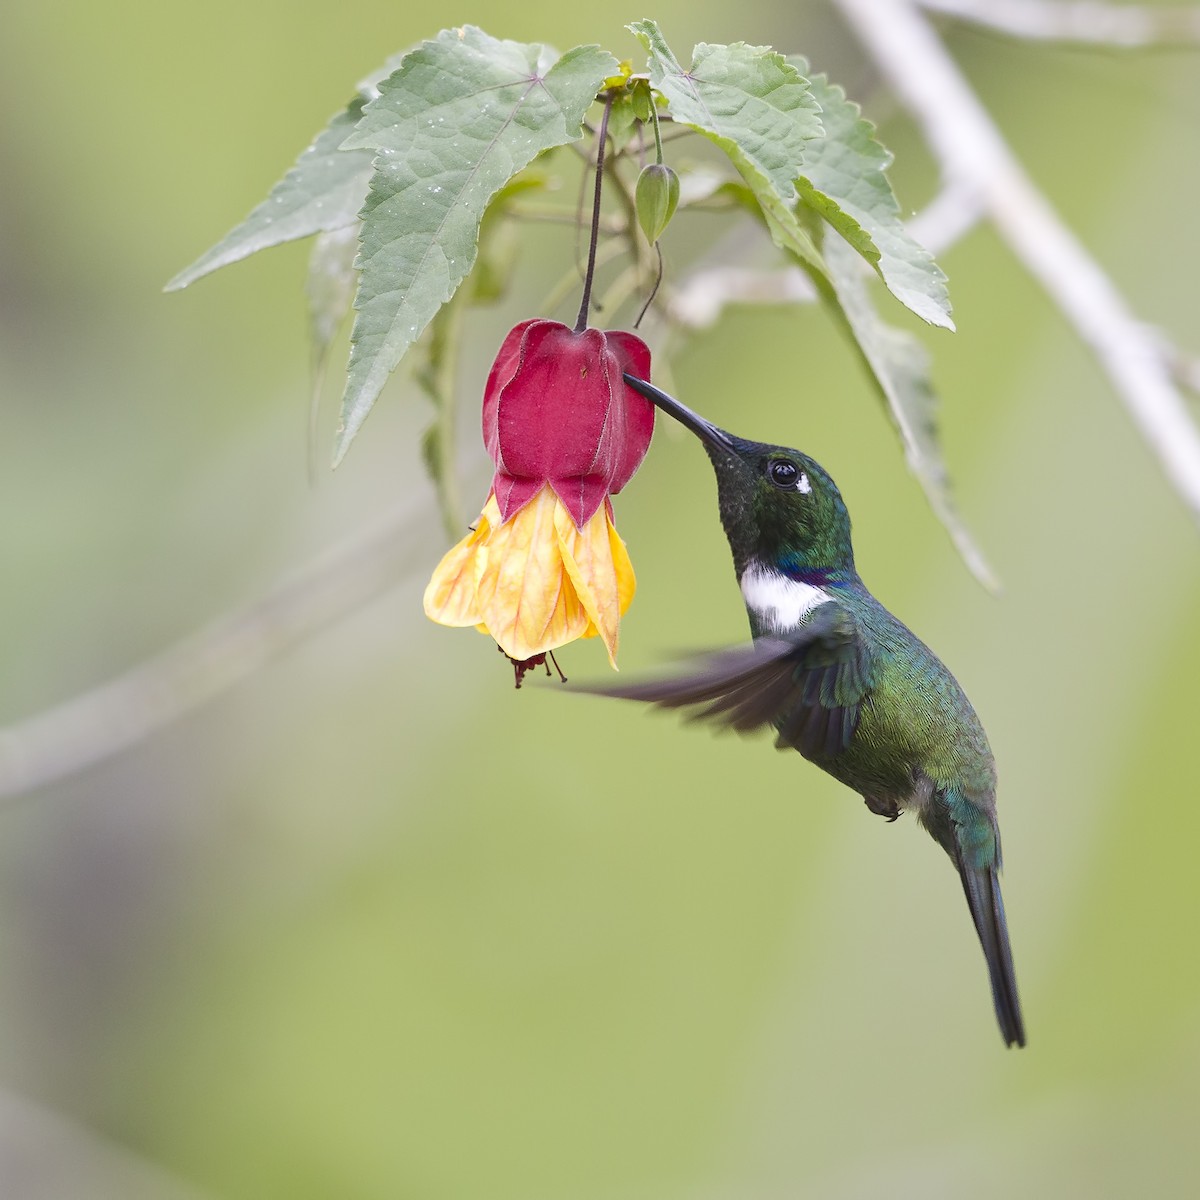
802,485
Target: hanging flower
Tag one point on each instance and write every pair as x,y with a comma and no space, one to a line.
544,565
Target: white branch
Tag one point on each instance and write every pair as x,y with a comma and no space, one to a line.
97,724
1119,25
1185,368
701,299
970,148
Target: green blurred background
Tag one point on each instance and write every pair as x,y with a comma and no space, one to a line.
374,925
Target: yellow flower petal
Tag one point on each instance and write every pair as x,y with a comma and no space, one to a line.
450,597
525,598
536,581
587,556
626,580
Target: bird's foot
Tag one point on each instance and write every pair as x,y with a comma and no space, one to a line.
883,808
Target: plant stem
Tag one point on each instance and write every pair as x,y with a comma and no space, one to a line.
582,320
657,136
654,290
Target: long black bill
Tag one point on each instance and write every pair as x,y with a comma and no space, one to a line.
703,429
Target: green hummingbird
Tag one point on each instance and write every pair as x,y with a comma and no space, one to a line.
839,678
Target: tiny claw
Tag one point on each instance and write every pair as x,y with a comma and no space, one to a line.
888,809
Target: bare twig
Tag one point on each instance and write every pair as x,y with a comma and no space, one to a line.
99,723
701,299
1123,26
971,149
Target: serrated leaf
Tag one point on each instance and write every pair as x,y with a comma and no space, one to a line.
844,180
749,100
368,87
323,191
464,113
899,366
757,108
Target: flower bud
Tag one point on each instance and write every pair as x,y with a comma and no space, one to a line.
656,196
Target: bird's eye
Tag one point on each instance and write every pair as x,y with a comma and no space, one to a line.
783,472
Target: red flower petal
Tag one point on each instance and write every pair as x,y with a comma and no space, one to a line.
556,410
632,355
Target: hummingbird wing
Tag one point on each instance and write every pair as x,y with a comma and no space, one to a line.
808,685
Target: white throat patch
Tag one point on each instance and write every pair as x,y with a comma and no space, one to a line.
778,602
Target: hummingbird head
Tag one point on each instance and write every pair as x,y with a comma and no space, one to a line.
779,507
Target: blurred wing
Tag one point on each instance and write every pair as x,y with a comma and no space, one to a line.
808,686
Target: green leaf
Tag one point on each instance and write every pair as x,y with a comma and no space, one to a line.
464,113
757,108
323,191
843,179
899,365
749,100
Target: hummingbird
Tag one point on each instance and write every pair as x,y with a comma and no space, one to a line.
839,678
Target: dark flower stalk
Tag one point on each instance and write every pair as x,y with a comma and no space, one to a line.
584,304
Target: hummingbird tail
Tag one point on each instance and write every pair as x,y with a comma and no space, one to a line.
982,887
967,832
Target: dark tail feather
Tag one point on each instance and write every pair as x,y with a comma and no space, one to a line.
982,887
